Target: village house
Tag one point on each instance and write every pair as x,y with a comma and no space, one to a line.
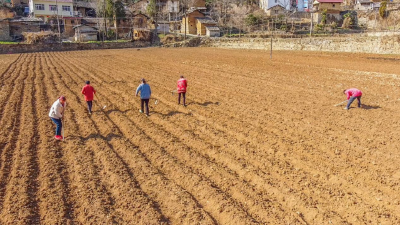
286,4
68,26
188,25
202,23
275,10
140,20
12,29
196,23
49,8
168,10
84,8
364,5
22,25
84,33
213,31
332,7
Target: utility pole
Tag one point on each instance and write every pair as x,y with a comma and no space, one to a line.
115,20
58,23
311,27
105,21
184,11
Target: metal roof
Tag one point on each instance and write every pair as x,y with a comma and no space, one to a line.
212,28
207,20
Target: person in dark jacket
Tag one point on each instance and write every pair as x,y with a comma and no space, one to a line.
88,91
145,94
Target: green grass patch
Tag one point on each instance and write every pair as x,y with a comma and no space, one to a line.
8,43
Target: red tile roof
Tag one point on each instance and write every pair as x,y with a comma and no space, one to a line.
330,1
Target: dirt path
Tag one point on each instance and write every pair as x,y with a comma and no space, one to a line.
259,142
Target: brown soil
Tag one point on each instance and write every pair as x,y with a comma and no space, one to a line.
259,142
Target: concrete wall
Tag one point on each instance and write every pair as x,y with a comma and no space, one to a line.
379,45
26,48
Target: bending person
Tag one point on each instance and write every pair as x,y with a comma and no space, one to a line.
56,114
352,94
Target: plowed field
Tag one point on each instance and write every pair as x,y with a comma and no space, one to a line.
260,141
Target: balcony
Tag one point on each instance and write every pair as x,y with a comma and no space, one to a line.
77,14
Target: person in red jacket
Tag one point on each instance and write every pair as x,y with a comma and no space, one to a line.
352,94
88,91
181,88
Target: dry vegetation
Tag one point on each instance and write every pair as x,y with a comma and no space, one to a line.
260,141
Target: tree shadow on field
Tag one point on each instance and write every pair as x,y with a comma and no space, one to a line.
109,137
368,107
204,103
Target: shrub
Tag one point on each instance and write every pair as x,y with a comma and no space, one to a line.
382,9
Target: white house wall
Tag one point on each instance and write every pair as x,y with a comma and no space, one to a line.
266,4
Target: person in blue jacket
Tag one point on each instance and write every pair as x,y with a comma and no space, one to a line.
145,93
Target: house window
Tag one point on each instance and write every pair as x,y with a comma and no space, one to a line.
53,7
39,6
276,1
333,5
276,11
66,8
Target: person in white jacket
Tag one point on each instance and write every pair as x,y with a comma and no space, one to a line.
56,113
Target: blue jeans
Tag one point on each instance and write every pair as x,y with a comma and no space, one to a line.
351,100
89,104
58,122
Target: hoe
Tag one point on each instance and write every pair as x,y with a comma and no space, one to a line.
340,103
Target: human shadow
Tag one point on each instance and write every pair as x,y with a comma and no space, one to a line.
117,110
172,113
204,103
368,107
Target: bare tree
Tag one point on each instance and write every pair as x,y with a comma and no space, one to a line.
240,13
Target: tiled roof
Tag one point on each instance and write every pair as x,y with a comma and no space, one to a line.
330,1
205,20
211,28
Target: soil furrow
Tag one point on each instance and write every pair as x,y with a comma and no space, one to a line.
180,211
290,142
20,204
127,197
55,199
10,135
93,204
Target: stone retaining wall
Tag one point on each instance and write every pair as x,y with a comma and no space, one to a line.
379,45
26,48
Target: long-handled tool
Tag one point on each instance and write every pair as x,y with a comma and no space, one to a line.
341,103
104,106
63,133
63,122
